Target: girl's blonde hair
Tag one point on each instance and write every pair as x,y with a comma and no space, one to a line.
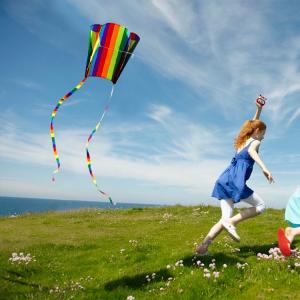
247,130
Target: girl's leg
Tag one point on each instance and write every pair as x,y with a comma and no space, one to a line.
227,211
258,207
291,233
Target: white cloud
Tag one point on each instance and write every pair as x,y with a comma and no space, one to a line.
187,140
182,161
232,54
228,55
160,112
295,115
176,162
26,188
28,84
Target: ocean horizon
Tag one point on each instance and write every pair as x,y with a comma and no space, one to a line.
18,206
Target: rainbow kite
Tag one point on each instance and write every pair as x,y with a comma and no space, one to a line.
110,47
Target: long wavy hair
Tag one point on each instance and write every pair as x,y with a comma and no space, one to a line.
246,131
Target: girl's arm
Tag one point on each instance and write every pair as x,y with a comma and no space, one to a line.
253,152
258,112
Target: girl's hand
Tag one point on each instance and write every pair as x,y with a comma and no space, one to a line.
260,101
259,106
268,175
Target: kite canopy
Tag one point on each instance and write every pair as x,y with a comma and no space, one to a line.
110,47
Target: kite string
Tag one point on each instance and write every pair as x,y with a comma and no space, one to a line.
54,112
88,157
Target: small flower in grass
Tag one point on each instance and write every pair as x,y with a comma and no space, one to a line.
224,266
274,253
205,273
198,262
130,298
21,258
297,265
170,278
13,216
216,274
241,266
122,250
179,263
166,218
168,266
133,242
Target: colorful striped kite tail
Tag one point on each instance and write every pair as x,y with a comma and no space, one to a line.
88,157
52,134
104,194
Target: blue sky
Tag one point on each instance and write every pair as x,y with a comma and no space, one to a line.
176,108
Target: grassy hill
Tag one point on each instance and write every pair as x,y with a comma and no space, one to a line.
145,253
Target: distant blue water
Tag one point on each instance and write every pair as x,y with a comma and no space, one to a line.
17,206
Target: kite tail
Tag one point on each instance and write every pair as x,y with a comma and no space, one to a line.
60,102
88,157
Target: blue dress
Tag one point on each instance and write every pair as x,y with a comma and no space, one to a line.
292,211
232,182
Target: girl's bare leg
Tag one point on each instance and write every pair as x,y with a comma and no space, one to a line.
258,207
227,210
291,233
212,234
243,215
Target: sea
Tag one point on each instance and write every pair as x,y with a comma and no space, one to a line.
12,206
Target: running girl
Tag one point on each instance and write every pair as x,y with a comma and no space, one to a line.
231,188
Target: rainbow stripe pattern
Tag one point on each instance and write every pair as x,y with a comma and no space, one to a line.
54,112
110,47
88,157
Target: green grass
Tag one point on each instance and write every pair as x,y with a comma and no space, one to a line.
82,248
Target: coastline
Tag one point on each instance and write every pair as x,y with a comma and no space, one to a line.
13,206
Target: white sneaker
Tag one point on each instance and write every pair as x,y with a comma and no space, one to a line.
231,230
